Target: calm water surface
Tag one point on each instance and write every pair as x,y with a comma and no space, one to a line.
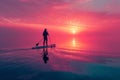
72,59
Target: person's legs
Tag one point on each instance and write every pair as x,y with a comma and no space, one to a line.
44,42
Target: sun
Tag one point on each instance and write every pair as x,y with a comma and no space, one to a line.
73,29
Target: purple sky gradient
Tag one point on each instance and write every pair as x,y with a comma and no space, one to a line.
47,11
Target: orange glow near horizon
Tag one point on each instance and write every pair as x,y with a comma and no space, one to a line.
74,27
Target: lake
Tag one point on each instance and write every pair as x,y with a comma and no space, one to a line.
83,56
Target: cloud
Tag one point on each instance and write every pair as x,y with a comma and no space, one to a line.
56,11
113,6
24,8
24,0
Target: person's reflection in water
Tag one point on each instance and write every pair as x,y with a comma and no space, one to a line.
45,55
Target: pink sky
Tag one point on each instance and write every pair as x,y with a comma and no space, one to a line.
59,12
92,20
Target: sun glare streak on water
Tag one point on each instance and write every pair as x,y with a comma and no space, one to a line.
73,42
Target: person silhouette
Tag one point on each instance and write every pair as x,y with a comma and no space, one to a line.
45,55
45,36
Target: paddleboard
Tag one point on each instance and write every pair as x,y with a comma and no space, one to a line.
41,47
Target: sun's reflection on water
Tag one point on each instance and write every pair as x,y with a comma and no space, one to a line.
74,42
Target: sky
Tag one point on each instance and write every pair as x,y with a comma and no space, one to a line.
96,21
59,12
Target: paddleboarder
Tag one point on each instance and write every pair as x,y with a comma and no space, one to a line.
45,37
